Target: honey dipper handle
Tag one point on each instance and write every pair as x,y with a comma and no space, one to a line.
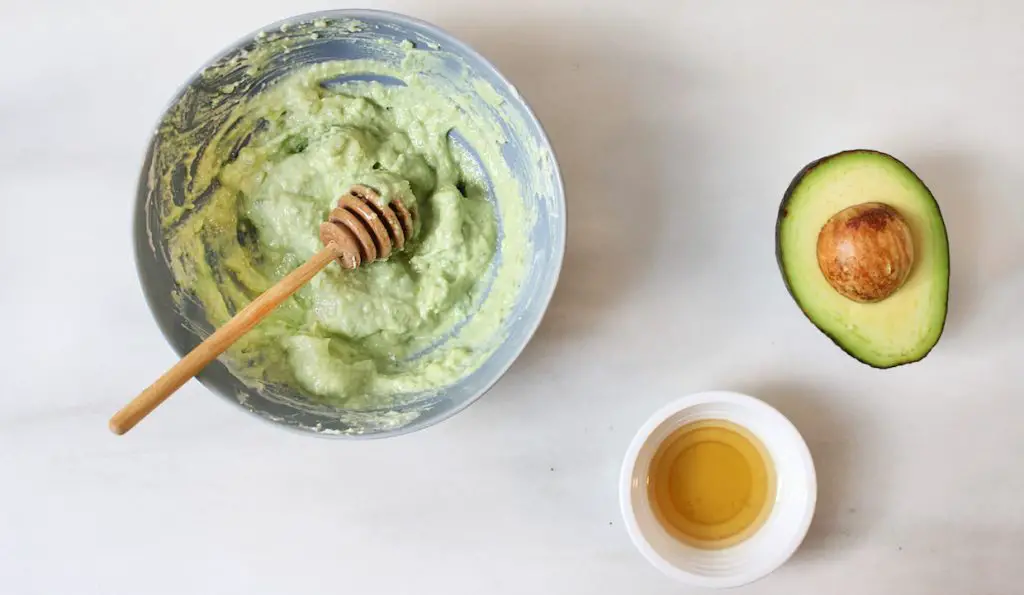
218,342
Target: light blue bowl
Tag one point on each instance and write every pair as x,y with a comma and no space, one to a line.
185,325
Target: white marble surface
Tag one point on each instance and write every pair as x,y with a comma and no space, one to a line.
694,113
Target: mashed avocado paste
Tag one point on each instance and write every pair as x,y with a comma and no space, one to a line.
275,167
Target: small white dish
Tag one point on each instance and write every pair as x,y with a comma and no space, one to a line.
782,532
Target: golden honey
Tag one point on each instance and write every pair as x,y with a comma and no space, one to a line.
711,484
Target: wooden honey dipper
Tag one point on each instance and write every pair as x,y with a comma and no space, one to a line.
359,230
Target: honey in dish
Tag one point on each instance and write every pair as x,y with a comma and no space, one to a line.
711,484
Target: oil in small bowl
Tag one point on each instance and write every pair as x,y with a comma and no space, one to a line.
711,484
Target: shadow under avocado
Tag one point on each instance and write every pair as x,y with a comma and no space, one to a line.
953,182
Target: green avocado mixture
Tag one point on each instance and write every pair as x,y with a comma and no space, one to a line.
257,192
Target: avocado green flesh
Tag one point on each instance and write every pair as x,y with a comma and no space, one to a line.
902,328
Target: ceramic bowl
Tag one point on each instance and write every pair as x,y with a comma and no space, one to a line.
185,324
774,542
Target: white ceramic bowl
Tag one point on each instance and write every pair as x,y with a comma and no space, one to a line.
781,534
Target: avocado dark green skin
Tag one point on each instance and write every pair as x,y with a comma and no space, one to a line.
783,212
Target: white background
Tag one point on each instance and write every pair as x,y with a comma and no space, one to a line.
678,124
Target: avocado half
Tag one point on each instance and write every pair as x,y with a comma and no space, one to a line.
905,326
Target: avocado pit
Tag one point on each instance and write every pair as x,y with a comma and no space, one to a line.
866,251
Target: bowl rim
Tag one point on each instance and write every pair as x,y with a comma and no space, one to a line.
543,297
